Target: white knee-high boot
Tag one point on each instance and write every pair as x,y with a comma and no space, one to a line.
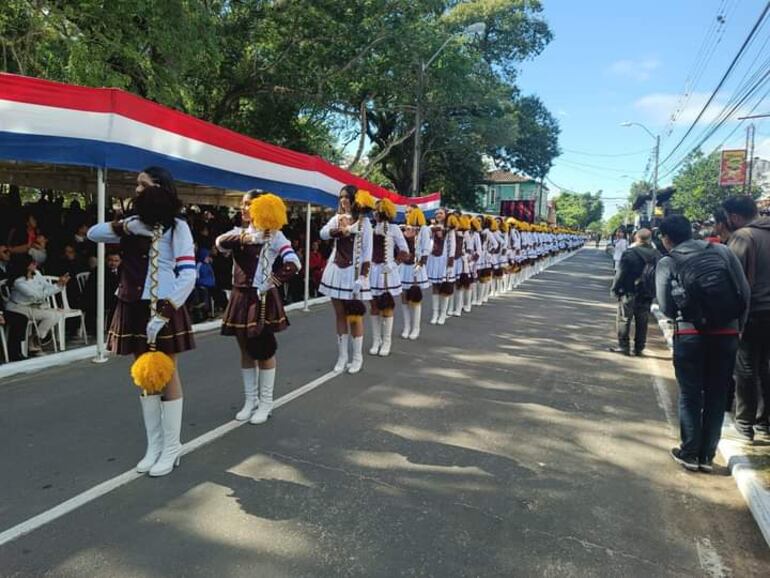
435,305
153,427
407,312
467,300
475,293
358,355
266,384
459,298
376,335
416,315
387,334
172,447
444,309
250,393
342,352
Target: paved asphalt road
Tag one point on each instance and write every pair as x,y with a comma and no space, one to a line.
507,443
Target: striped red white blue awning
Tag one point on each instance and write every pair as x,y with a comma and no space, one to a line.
50,122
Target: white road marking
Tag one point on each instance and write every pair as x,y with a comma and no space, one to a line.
710,561
127,477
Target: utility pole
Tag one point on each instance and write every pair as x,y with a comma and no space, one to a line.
654,180
749,159
418,131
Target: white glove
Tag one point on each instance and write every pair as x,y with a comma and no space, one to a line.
358,286
154,325
133,226
253,238
265,286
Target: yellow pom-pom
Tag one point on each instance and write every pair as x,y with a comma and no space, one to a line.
503,226
452,221
415,217
365,199
465,222
476,224
268,212
387,207
152,371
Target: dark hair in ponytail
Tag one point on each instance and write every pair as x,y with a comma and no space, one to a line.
160,204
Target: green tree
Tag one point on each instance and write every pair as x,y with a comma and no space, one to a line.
624,215
698,193
577,210
320,77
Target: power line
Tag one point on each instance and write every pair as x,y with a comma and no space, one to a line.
727,73
630,154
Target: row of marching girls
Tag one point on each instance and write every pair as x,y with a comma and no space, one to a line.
151,323
462,259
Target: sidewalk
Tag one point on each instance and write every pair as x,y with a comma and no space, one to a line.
748,464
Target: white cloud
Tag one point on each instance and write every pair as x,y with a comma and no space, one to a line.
659,107
762,148
638,70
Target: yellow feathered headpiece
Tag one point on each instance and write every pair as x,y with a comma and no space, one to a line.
415,217
503,225
476,224
452,221
268,212
465,222
364,199
491,223
387,207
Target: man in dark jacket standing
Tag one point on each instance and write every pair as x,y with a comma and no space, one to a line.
704,357
750,241
635,290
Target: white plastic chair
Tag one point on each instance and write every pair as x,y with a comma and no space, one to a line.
82,279
67,313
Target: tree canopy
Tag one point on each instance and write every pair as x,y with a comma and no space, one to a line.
578,211
338,79
698,193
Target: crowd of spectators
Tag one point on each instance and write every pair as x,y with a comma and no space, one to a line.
45,239
712,281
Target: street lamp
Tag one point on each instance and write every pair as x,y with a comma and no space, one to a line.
471,30
656,138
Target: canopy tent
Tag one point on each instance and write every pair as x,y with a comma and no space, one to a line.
45,123
50,122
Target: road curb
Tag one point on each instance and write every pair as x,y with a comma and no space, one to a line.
755,494
89,351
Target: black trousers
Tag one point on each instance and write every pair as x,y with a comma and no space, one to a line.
752,374
16,325
636,310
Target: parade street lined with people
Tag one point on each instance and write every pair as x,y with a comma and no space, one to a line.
424,288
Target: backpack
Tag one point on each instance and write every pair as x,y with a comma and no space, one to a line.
644,286
704,290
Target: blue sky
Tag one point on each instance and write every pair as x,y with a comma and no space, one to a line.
615,61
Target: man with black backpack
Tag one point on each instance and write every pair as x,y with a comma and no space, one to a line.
750,242
634,286
702,287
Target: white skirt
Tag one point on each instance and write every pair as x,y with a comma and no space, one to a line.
337,283
378,281
411,276
437,270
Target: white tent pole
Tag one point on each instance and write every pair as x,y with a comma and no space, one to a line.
101,209
307,259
